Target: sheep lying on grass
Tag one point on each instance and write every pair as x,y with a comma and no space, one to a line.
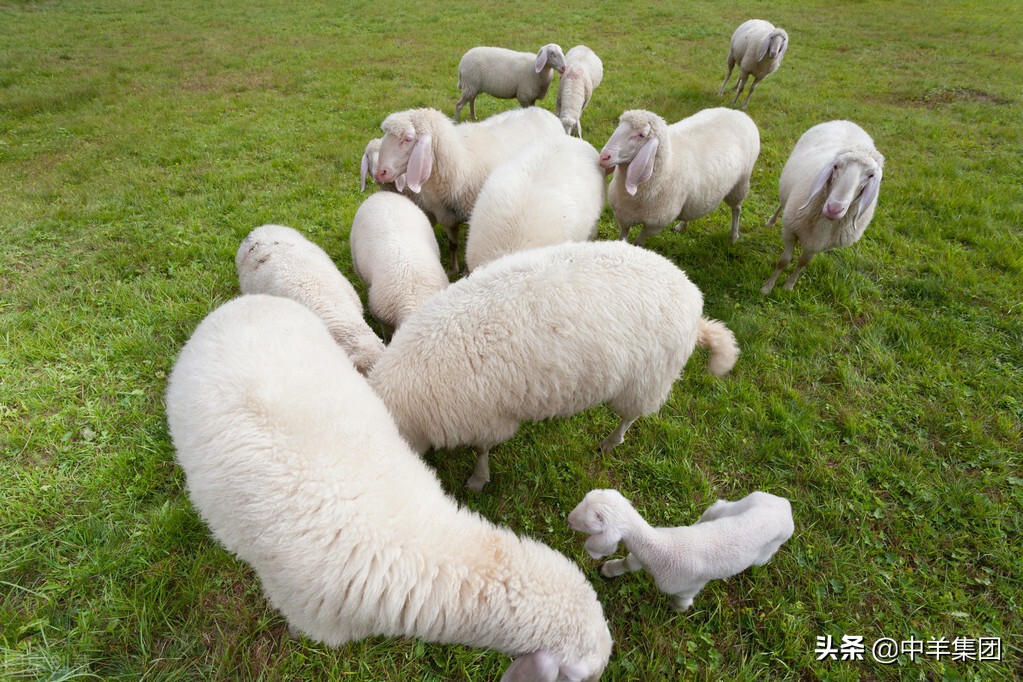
507,74
757,46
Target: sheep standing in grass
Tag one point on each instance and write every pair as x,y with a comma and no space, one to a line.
679,172
543,333
757,46
551,192
729,538
507,74
277,260
581,76
827,193
297,468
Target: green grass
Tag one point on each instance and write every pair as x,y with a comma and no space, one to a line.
140,142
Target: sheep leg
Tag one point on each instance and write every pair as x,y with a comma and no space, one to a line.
458,107
740,84
617,436
647,231
623,233
752,87
682,225
452,234
731,65
736,212
617,567
681,602
803,260
774,218
786,257
481,474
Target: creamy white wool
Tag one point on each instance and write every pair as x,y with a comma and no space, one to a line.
582,74
506,74
550,192
298,469
279,261
758,47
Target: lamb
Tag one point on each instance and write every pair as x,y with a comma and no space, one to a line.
507,74
758,47
832,165
551,192
682,171
277,260
544,333
298,469
446,164
729,538
581,76
395,253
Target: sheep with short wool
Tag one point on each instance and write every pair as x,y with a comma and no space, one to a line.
729,538
681,171
757,46
827,193
507,74
542,333
582,74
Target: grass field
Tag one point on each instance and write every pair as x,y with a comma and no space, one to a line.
140,142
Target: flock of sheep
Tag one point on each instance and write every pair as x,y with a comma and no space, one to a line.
300,432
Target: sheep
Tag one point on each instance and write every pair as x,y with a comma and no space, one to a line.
757,46
446,164
297,468
682,171
507,74
543,333
832,165
550,192
395,253
581,76
728,538
277,260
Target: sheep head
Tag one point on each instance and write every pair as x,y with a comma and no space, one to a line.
550,56
634,143
406,149
601,516
850,174
774,45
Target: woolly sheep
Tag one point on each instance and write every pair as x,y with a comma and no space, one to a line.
757,46
543,333
395,253
277,260
507,74
581,76
682,171
446,164
550,192
297,468
832,165
729,538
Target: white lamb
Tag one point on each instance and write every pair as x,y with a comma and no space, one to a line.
277,260
550,192
729,538
507,74
395,253
297,468
446,164
679,172
757,46
543,333
581,76
833,165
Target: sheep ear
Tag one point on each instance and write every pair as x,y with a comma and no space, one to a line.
870,191
541,59
538,666
602,544
642,165
765,46
784,46
819,182
363,170
420,163
399,183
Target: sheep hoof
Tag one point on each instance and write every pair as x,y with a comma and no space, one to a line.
609,444
681,605
476,482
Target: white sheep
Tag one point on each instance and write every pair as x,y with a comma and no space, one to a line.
679,172
729,538
507,74
582,74
550,192
279,261
542,333
833,165
395,253
446,164
297,468
757,46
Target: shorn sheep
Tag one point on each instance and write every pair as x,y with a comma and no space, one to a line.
446,164
679,172
551,192
729,538
279,261
395,253
507,74
297,468
583,73
544,333
757,46
827,193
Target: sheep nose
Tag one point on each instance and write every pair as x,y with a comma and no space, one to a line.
381,175
833,211
605,159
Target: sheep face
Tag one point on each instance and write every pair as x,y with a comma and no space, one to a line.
550,56
407,153
636,147
849,175
774,45
599,516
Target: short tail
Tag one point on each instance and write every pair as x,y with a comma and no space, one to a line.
720,341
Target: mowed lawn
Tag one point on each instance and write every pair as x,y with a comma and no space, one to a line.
141,141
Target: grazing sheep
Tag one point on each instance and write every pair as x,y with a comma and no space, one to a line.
395,253
446,164
550,192
297,468
682,171
277,260
507,74
832,165
729,538
543,333
757,46
581,76
368,166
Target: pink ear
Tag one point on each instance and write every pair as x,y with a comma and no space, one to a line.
420,163
399,183
363,169
642,165
764,46
870,191
541,59
819,182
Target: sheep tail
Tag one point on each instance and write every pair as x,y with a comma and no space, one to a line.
720,341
